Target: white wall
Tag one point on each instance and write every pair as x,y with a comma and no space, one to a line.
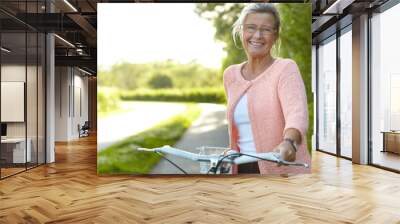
62,80
71,94
80,83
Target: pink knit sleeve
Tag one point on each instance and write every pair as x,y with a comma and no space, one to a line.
293,99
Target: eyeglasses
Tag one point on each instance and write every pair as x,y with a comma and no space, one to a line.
252,29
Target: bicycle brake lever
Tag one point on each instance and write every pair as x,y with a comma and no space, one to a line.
146,149
151,150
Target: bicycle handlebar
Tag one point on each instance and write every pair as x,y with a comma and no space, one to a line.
236,158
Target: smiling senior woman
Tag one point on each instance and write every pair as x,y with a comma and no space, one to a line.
267,103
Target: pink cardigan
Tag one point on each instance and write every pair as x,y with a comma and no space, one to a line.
276,101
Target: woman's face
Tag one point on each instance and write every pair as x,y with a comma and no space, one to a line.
259,34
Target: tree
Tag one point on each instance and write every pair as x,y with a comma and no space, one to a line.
223,15
160,81
295,38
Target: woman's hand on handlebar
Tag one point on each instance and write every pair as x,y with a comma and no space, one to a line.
286,151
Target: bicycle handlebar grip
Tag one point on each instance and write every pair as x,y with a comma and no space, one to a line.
283,162
146,149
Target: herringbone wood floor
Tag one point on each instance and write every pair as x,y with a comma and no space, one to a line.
69,191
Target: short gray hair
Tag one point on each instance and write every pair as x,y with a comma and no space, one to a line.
255,8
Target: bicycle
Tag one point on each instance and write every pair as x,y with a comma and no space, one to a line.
220,163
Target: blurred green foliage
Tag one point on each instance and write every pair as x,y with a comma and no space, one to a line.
167,74
107,100
223,15
204,95
160,81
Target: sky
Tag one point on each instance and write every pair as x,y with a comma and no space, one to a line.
146,32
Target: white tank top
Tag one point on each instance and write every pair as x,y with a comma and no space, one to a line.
242,122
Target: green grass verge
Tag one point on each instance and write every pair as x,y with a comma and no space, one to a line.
123,158
200,95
